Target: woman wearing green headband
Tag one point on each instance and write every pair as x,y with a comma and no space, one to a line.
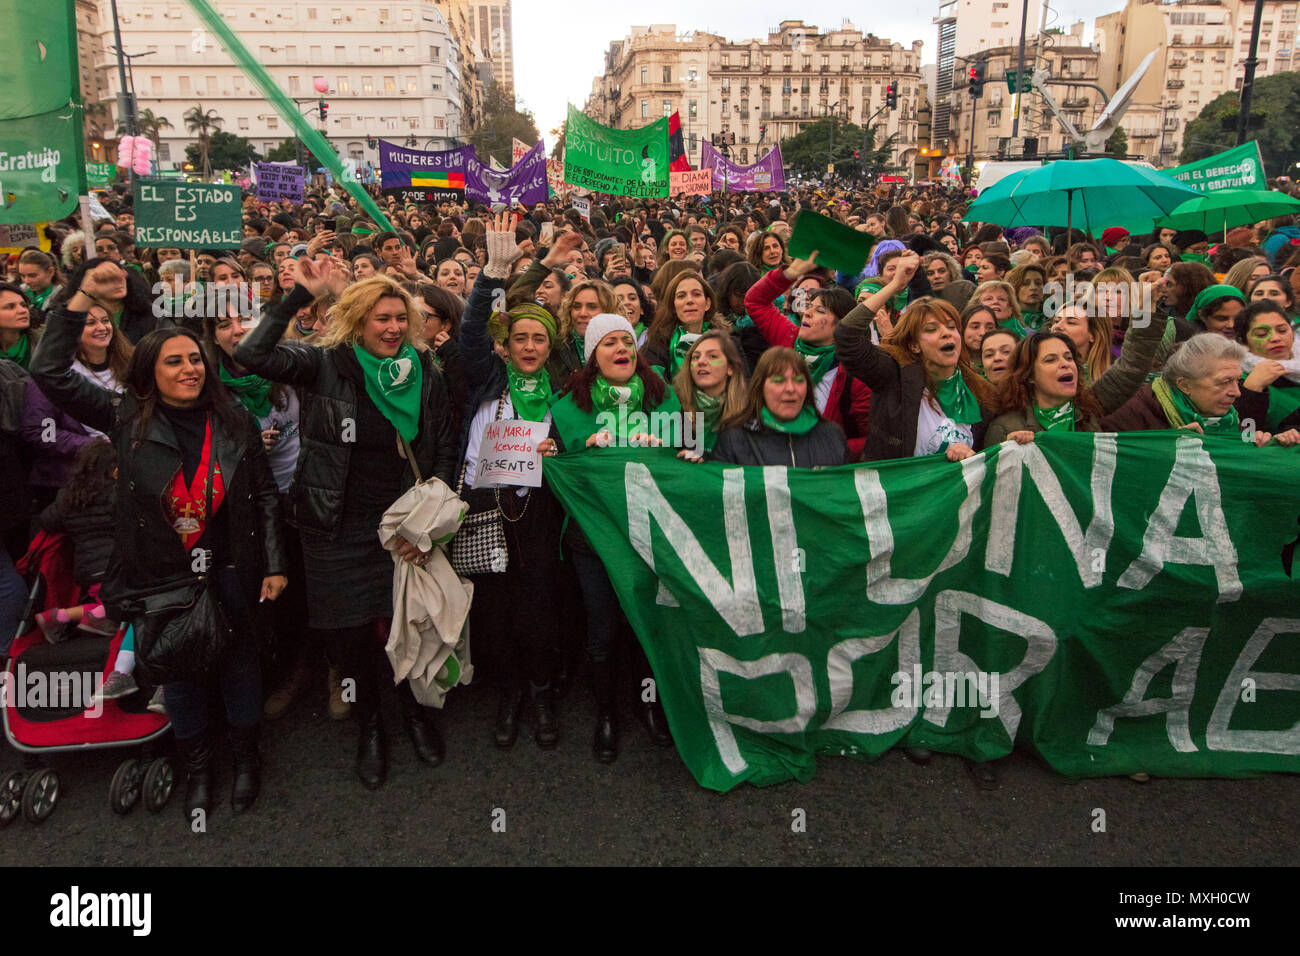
1215,309
517,606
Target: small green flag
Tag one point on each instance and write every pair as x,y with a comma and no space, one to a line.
838,246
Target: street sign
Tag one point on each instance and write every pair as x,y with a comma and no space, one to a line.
830,168
1026,82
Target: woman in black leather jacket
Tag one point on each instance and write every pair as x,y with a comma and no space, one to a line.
179,435
372,376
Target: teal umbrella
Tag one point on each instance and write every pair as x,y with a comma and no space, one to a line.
1090,194
1226,208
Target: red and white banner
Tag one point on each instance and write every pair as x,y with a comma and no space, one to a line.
694,182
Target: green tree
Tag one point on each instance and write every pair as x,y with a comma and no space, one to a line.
147,124
225,151
202,123
1273,108
502,122
1117,144
287,152
833,141
557,151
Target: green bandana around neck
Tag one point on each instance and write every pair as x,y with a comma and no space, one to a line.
607,397
1031,320
530,393
21,351
957,400
395,386
680,344
253,391
820,358
1059,419
580,344
801,424
38,298
1177,401
710,406
1202,257
1013,326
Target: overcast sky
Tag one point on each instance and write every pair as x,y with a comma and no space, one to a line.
559,48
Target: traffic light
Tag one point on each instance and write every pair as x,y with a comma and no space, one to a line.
731,139
891,95
855,154
372,142
975,78
324,110
762,131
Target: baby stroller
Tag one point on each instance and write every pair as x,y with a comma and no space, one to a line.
46,706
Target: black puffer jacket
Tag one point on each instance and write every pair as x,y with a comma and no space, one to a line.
91,530
756,444
148,553
330,380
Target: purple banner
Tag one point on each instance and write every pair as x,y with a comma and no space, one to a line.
280,181
417,175
765,175
525,181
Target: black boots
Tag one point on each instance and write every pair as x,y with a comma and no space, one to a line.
372,747
421,728
248,768
547,734
196,756
509,708
652,715
605,741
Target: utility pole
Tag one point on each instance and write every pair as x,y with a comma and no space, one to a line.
1020,70
128,97
1248,81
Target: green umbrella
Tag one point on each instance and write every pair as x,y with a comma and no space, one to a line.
1090,194
1226,208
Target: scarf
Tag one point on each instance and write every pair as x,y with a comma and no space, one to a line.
253,391
711,408
580,344
38,298
1013,325
957,400
21,352
530,394
607,397
1059,419
1202,257
395,386
820,358
680,344
897,304
801,424
1031,320
1180,411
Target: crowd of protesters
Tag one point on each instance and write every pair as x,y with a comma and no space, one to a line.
266,427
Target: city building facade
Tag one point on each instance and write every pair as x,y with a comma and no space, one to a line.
490,26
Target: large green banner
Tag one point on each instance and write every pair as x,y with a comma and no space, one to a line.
1116,603
1238,168
40,113
624,162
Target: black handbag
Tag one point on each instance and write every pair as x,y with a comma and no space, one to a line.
180,630
479,547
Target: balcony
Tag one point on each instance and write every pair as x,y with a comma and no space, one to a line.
1177,64
1174,84
1076,103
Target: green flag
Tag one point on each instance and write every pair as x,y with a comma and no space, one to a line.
624,162
1238,168
312,138
837,246
40,113
1114,603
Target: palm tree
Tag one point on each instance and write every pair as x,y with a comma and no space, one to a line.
147,124
202,123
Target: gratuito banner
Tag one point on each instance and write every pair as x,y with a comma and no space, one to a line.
624,162
1238,168
1116,603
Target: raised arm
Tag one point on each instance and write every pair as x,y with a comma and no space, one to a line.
86,401
557,255
880,299
478,358
854,350
261,350
775,328
1121,381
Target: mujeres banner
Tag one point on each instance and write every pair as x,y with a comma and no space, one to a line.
525,181
624,162
762,176
1116,603
418,175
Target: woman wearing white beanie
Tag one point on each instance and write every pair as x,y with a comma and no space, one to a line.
598,409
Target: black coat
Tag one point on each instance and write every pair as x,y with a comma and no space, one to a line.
756,444
147,550
896,390
91,530
330,381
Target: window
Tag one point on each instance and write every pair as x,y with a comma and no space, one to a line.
156,83
826,61
243,122
272,122
725,60
336,15
293,86
438,123
383,15
412,85
645,109
695,142
668,107
181,52
313,53
311,13
387,53
291,52
433,54
645,74
668,74
390,84
408,15
342,85
367,84
185,86
340,53
212,85
165,152
692,108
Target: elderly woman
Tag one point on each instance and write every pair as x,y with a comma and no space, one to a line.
779,424
1197,390
375,410
1043,392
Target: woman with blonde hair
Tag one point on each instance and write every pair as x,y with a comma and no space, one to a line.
1027,282
1243,273
711,382
585,299
375,411
675,247
687,308
1000,296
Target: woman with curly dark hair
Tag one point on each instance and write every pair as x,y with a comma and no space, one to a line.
1043,391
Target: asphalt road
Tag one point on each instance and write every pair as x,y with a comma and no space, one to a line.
561,807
